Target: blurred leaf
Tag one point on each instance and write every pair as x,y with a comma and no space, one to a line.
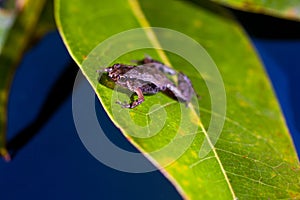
5,24
7,16
254,156
18,39
46,21
289,9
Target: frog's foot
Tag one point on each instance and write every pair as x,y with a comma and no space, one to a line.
135,102
124,104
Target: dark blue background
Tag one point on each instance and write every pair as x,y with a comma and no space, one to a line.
50,161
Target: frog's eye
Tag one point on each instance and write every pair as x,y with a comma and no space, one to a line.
108,69
117,65
122,78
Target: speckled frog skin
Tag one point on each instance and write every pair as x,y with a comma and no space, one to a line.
150,77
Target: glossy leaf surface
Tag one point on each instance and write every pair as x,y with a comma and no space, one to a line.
254,156
289,9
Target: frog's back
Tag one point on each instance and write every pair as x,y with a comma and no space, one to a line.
148,73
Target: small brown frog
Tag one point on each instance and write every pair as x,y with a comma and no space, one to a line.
150,77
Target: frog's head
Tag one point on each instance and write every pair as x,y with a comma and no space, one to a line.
117,70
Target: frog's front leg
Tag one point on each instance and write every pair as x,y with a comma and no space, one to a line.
135,103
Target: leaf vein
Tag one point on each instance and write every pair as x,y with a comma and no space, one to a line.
136,9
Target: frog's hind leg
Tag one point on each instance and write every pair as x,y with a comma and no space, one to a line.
184,91
185,86
174,92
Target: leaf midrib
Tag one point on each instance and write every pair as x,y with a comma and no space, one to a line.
142,20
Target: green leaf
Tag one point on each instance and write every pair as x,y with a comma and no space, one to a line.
289,9
253,157
18,39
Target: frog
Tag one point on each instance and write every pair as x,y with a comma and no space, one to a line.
149,76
